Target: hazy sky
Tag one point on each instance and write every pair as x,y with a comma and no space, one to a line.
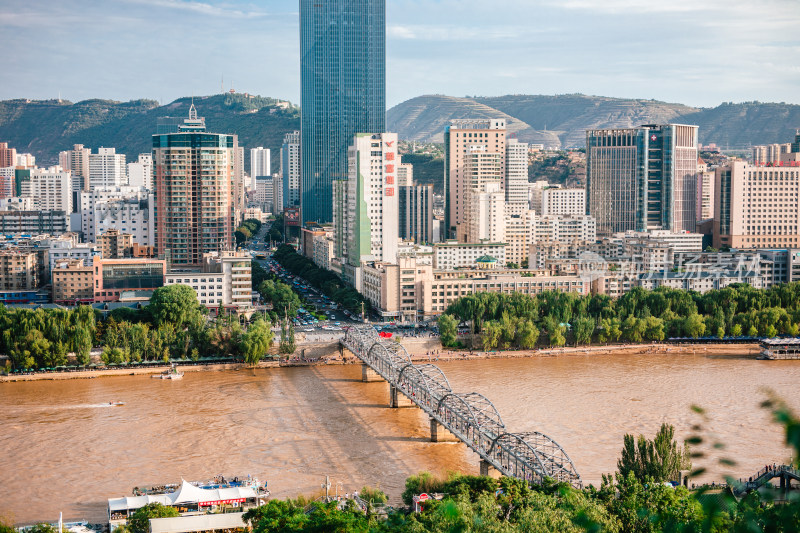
698,52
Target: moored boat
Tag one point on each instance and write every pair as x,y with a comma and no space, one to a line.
172,373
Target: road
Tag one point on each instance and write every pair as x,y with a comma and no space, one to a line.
322,330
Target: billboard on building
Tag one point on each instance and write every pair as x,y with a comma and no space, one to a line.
292,216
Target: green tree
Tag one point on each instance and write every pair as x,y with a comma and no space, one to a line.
659,459
174,304
139,522
736,330
633,329
654,329
256,342
287,344
448,330
584,330
694,326
527,334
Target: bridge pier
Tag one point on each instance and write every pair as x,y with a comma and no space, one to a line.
397,399
439,433
488,470
368,375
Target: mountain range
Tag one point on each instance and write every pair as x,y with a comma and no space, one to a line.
561,121
46,127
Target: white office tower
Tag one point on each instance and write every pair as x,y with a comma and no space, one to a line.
140,173
290,169
487,217
127,209
517,175
260,164
366,206
563,202
107,169
51,189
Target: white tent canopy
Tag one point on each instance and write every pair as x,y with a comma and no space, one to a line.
186,494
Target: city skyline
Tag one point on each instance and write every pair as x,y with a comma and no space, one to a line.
697,54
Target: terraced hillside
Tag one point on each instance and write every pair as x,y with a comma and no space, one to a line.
561,121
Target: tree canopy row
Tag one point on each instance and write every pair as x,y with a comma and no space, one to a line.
247,230
324,280
172,327
556,318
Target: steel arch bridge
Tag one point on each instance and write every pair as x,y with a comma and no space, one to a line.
470,417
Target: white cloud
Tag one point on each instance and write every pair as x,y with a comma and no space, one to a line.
203,8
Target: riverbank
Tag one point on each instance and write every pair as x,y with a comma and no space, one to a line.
420,351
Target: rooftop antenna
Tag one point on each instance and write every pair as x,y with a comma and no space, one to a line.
222,84
192,111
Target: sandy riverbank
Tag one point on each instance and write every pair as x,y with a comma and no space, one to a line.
423,351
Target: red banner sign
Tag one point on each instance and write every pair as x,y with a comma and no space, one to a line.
221,502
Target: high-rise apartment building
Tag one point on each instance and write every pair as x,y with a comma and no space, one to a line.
343,84
7,182
705,191
462,138
140,173
195,185
127,209
517,175
51,189
487,214
416,212
107,168
8,156
290,169
76,161
366,207
642,178
485,208
757,206
260,164
265,193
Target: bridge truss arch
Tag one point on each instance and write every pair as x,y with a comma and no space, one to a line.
471,417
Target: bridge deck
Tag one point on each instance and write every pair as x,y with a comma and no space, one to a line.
471,417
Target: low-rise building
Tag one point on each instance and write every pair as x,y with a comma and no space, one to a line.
453,254
411,292
115,245
225,279
67,248
17,203
18,270
701,282
73,282
557,201
34,222
563,228
112,277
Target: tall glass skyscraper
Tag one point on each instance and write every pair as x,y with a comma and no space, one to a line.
644,178
343,77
